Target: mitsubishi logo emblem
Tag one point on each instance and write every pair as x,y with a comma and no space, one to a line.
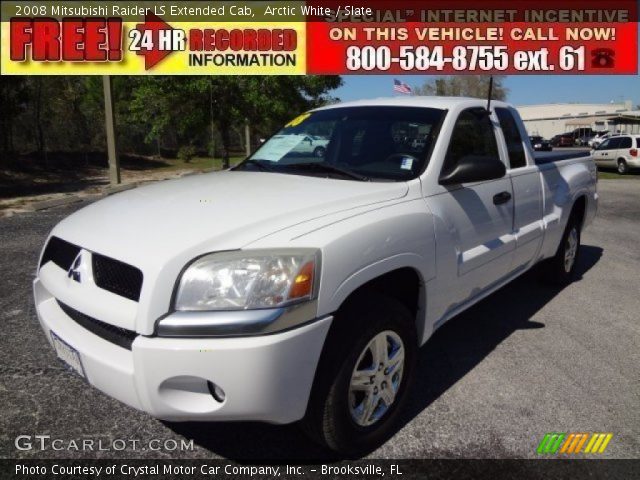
74,271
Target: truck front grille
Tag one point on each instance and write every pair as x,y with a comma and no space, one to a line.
60,252
109,274
117,277
116,335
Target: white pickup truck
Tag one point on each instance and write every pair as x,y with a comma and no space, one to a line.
297,288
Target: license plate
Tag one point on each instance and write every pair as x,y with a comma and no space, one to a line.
67,354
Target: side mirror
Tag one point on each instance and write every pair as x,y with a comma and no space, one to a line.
473,168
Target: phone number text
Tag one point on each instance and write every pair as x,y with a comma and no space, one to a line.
463,58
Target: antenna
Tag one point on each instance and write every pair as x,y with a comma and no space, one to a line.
490,93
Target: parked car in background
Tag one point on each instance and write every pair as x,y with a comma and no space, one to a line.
584,140
598,139
539,144
582,131
309,145
619,152
562,140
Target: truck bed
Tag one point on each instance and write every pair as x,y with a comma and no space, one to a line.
549,157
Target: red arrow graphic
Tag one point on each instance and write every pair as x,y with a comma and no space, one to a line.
153,24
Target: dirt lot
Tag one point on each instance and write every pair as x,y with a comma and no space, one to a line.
28,181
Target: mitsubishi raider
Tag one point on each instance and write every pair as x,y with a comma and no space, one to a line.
298,286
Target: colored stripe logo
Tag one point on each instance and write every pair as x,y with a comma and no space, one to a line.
572,443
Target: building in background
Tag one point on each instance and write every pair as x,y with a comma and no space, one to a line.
556,118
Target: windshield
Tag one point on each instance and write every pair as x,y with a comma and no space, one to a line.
373,143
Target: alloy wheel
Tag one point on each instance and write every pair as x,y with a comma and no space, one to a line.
571,249
376,378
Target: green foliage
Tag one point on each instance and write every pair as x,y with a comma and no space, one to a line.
186,153
154,114
13,96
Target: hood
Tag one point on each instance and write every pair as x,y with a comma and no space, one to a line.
216,211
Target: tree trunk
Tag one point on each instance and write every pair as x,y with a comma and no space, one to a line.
10,135
84,137
6,124
38,117
226,140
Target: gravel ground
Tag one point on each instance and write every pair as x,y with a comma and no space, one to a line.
527,360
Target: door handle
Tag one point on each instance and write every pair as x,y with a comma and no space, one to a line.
500,198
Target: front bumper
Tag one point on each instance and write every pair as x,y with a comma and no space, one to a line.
265,378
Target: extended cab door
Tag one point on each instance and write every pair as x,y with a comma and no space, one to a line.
528,226
475,241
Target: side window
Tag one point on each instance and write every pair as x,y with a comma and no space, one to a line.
625,142
638,142
614,143
605,145
472,135
512,137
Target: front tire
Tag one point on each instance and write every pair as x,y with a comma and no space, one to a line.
363,377
623,168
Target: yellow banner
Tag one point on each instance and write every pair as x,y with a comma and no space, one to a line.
179,48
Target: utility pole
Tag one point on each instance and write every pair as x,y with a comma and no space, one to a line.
247,137
213,128
114,163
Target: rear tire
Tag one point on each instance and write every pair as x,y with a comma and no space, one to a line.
561,268
623,168
355,406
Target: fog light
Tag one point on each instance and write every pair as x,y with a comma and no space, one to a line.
216,392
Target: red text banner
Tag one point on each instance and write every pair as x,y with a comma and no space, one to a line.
458,37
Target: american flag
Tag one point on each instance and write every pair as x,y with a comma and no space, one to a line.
401,87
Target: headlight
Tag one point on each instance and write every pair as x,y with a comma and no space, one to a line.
245,280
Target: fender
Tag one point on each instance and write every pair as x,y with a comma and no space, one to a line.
561,190
359,249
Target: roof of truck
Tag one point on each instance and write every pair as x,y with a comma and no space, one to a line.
416,101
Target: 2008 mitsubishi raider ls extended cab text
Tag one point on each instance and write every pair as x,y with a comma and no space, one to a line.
298,286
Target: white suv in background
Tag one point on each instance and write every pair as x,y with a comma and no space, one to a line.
620,152
598,139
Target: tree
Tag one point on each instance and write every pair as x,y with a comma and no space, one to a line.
13,98
154,113
167,106
464,86
271,101
37,115
265,101
185,107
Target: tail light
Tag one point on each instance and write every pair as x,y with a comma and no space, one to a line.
633,152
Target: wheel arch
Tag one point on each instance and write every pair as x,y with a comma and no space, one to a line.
404,284
579,209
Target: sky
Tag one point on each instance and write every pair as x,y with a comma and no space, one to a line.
523,89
